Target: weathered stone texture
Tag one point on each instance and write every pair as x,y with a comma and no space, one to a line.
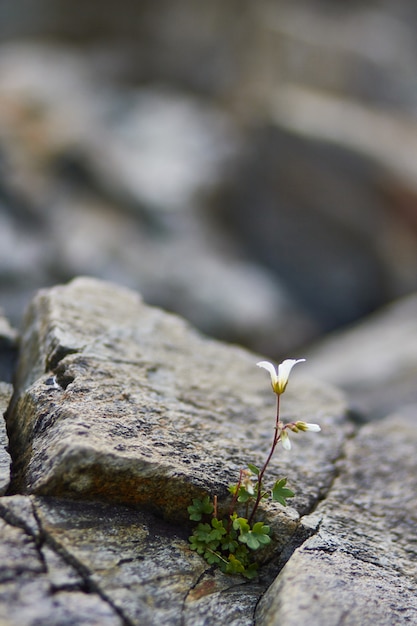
143,566
36,585
89,563
5,396
116,404
361,566
119,401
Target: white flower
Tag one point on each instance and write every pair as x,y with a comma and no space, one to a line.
304,426
247,481
279,378
296,427
285,440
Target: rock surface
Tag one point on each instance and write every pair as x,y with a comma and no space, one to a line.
6,391
121,412
119,402
37,585
123,402
361,566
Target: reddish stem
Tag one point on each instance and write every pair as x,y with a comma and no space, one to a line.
277,436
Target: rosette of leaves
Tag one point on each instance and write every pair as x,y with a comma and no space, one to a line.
229,544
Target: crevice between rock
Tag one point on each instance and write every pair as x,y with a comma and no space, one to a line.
41,539
89,586
309,523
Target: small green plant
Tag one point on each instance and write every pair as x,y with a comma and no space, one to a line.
230,541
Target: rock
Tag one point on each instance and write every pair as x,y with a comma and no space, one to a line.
360,568
121,412
369,159
143,567
363,50
121,402
375,361
330,169
8,348
6,391
134,170
121,565
36,585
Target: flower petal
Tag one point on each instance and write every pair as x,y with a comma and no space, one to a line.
304,426
271,369
315,428
286,443
284,370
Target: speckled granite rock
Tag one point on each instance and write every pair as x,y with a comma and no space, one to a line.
360,568
5,396
122,411
8,349
119,401
37,585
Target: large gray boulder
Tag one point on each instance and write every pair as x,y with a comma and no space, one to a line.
122,402
119,403
121,414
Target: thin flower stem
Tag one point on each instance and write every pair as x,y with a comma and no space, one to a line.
277,436
217,554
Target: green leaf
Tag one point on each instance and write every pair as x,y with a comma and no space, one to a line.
241,524
280,492
256,537
199,508
218,530
229,544
242,553
197,545
203,533
254,469
251,571
235,566
261,531
212,557
218,525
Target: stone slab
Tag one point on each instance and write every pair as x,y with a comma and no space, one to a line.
6,391
144,566
122,402
36,585
360,569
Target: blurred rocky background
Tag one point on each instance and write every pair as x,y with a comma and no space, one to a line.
249,165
